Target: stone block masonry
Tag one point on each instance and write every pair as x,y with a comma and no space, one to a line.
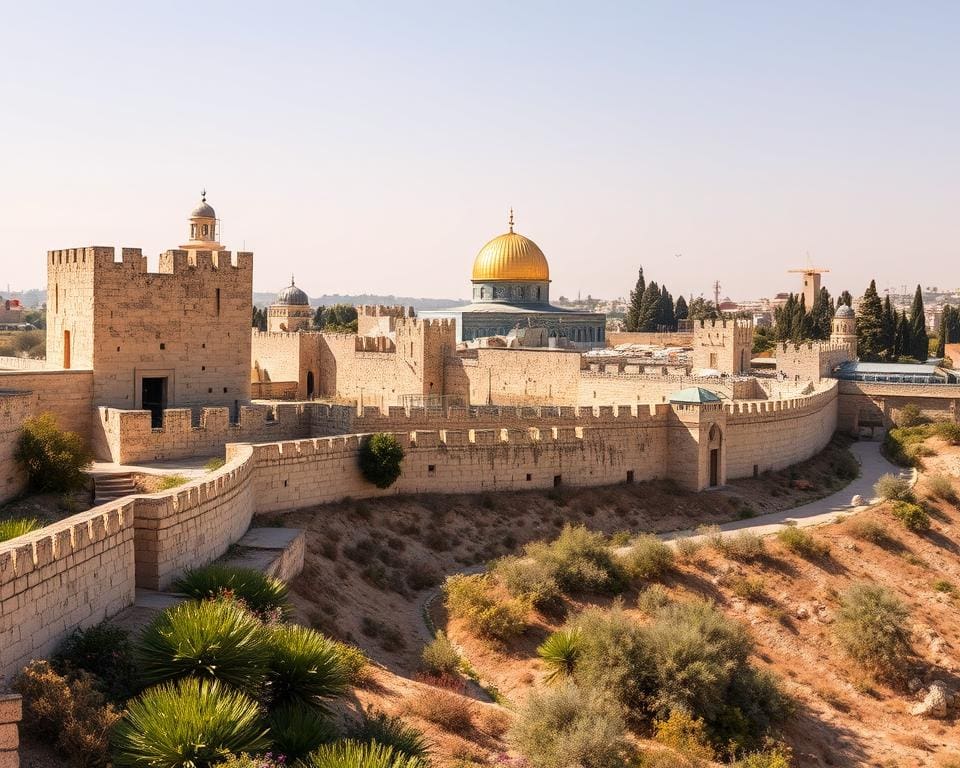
68,395
15,408
11,711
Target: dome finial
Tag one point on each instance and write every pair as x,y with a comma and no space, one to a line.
292,282
203,195
511,218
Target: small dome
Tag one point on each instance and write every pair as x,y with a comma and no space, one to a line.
291,295
694,395
204,210
844,311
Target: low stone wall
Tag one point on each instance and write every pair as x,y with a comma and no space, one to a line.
67,394
608,383
15,408
10,363
73,573
875,404
672,339
127,436
194,524
769,435
306,472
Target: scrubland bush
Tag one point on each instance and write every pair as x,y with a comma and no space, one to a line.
472,599
354,661
439,657
528,578
391,731
190,722
446,709
803,543
778,756
653,598
913,516
948,431
845,466
262,594
106,653
868,529
560,652
742,546
684,734
910,416
581,560
893,488
872,627
381,456
648,558
688,548
752,588
69,714
54,460
568,726
941,487
167,482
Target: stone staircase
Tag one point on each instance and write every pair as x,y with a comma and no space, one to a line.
114,486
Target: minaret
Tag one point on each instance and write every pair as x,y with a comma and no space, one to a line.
203,228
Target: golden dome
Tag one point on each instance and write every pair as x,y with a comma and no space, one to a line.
510,257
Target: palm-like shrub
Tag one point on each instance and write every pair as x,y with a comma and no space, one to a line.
296,731
54,459
305,667
215,640
18,526
380,458
354,754
872,627
560,652
391,732
188,724
260,593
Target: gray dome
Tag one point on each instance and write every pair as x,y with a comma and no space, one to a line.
844,311
204,211
292,295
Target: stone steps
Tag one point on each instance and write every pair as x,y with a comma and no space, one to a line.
111,487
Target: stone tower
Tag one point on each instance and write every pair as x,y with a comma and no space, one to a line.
723,345
844,329
290,311
203,228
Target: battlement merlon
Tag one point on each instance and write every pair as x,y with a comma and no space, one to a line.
171,261
384,310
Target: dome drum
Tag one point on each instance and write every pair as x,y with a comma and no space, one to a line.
511,292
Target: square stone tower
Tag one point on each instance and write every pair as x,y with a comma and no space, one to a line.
723,345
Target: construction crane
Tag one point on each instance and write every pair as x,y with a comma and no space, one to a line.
811,283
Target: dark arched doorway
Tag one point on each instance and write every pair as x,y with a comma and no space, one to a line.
714,447
310,386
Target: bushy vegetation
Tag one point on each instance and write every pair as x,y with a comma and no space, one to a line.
569,726
68,713
872,628
304,667
381,456
296,731
686,735
442,707
168,482
392,732
648,558
868,529
54,459
904,444
215,640
941,487
473,599
893,488
439,656
913,516
560,652
528,578
186,723
106,653
742,546
580,561
262,594
18,526
803,543
354,754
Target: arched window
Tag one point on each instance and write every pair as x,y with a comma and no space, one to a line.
482,292
206,229
193,231
538,293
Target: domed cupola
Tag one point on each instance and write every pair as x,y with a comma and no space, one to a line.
203,227
511,269
290,311
292,296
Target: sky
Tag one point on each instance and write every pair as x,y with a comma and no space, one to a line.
375,147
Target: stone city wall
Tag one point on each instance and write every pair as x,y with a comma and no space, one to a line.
15,408
68,395
769,435
607,383
72,573
810,361
127,436
876,404
305,472
672,339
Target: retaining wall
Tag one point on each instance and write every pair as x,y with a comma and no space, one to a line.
67,394
879,404
15,408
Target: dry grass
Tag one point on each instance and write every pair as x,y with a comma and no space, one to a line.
445,709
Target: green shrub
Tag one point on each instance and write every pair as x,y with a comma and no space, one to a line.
941,487
893,488
296,731
260,593
648,558
752,588
688,548
55,460
68,714
653,598
742,546
527,578
803,543
381,456
569,726
244,760
913,516
213,640
391,731
911,416
304,667
167,482
188,724
580,560
947,587
868,529
846,466
354,754
779,756
18,526
871,627
685,734
948,431
104,651
353,660
560,652
440,657
471,598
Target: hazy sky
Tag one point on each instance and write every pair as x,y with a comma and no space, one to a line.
374,147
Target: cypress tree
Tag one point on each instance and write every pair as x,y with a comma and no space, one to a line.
632,322
649,308
942,335
668,320
820,319
919,341
870,325
888,330
904,343
680,310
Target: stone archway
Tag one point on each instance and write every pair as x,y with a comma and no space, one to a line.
715,456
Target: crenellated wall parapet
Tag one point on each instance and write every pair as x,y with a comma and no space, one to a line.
766,409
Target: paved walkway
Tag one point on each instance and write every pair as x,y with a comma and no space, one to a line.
192,467
872,466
